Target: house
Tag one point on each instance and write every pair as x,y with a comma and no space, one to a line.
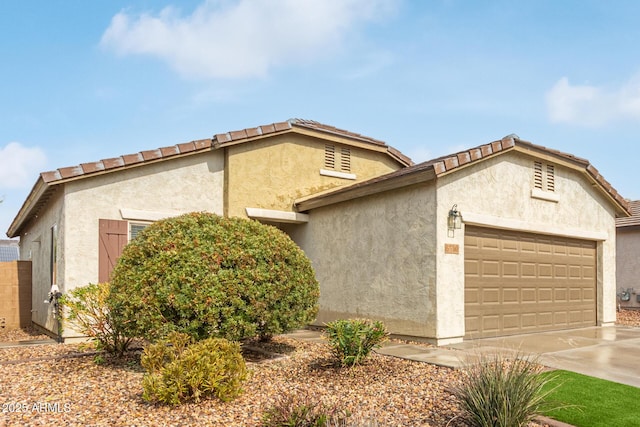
76,220
628,258
505,238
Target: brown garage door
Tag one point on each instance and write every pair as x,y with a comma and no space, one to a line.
521,282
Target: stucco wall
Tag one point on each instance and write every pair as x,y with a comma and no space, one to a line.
497,193
176,186
628,264
35,245
374,257
381,256
271,174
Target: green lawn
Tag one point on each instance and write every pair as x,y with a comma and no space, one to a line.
594,402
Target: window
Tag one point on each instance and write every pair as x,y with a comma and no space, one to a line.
134,229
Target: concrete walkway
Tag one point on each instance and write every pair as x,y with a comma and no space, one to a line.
609,352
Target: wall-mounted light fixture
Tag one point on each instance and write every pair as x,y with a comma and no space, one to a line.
454,220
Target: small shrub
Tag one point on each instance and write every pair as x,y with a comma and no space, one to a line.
502,392
179,369
302,411
352,340
89,314
209,276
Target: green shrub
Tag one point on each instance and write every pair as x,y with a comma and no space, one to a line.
88,313
209,276
352,340
502,392
179,369
302,411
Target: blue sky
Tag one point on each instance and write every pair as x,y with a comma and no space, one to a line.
85,80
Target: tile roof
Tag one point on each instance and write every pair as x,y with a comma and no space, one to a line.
44,187
632,220
9,250
452,162
218,141
112,164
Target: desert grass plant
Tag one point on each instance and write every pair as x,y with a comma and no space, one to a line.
502,391
87,312
301,410
353,340
180,369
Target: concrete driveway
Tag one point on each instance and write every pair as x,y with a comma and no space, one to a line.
609,352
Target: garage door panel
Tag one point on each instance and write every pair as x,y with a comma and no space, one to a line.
510,269
511,295
490,269
560,271
528,270
545,295
545,271
588,272
560,295
522,282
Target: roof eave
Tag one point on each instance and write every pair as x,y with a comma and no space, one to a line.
582,166
27,210
376,185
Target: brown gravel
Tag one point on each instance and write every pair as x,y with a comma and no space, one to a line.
74,391
62,385
629,317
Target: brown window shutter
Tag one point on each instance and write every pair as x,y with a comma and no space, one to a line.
113,236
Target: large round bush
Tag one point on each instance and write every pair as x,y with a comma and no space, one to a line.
209,276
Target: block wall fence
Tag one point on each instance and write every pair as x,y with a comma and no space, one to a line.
15,295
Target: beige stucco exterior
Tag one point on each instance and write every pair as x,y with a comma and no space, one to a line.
398,239
264,174
140,194
628,264
375,257
272,173
35,245
497,193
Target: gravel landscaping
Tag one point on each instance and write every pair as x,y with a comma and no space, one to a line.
62,385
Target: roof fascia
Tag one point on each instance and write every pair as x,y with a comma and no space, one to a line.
314,133
578,165
362,189
38,190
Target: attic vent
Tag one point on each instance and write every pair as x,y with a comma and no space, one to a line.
537,175
544,177
329,156
345,160
551,178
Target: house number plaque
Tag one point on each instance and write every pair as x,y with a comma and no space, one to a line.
450,248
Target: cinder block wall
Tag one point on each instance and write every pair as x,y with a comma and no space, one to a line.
15,294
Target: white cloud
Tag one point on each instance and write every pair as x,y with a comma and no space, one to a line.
244,38
590,105
419,153
20,165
